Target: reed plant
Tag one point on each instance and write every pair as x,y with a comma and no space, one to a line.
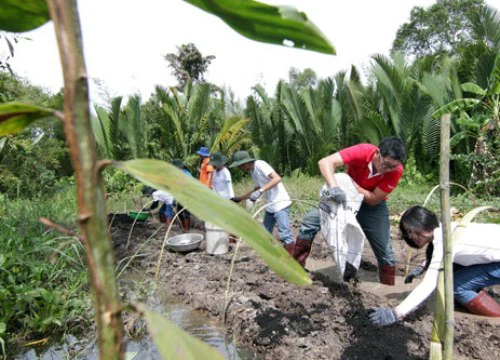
44,288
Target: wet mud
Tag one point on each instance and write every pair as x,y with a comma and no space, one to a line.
279,320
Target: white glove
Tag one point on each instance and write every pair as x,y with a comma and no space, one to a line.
256,195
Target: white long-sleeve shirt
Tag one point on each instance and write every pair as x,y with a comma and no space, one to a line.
477,244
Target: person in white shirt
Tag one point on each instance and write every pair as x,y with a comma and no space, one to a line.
476,258
222,183
268,183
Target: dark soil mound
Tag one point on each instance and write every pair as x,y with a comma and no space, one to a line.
327,320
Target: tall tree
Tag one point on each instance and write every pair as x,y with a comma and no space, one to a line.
188,64
302,79
444,27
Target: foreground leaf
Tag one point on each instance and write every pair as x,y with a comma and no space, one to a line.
209,206
282,25
173,342
23,15
14,116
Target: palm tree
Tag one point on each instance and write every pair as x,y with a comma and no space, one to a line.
197,118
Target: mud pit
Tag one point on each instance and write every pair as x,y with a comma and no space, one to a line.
279,320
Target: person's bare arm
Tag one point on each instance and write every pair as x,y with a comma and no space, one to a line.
371,197
258,191
275,180
247,194
327,167
210,176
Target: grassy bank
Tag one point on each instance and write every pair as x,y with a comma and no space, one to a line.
43,280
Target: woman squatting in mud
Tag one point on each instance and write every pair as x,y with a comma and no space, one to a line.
476,264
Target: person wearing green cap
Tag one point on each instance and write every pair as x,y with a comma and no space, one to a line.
268,184
222,182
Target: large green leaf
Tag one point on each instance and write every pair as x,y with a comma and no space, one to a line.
454,106
15,116
23,15
282,25
473,88
174,343
209,206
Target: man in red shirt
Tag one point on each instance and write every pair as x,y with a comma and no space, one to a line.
376,172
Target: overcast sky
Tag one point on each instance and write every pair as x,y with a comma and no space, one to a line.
125,41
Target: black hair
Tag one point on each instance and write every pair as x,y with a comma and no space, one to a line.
418,218
147,190
393,147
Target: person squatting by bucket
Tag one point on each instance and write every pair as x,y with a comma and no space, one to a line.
169,205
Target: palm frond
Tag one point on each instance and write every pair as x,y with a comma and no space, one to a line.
101,127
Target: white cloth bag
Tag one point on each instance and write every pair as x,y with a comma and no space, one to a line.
339,225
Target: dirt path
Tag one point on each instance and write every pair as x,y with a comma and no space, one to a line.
327,320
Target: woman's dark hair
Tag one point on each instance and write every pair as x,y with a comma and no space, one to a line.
418,218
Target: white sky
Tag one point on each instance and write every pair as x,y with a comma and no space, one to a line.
125,41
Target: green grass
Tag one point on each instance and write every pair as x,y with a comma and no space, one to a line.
409,193
43,279
405,195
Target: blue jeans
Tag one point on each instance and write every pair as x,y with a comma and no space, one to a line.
167,210
280,218
469,280
374,221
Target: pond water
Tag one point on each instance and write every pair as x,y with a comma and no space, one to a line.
211,332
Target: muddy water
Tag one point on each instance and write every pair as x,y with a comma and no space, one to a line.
211,332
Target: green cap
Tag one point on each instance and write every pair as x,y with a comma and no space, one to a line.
179,163
218,159
241,157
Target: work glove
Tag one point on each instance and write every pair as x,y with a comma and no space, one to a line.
255,195
383,316
337,194
413,274
235,199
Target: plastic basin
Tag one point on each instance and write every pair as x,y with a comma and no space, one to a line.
139,216
185,242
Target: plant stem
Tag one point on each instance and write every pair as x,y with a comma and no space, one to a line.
92,214
448,241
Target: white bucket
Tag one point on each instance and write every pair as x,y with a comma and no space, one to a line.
217,240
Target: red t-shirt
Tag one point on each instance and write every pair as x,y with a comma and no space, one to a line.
358,157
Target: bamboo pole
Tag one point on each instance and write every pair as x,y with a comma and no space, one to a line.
92,214
444,174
